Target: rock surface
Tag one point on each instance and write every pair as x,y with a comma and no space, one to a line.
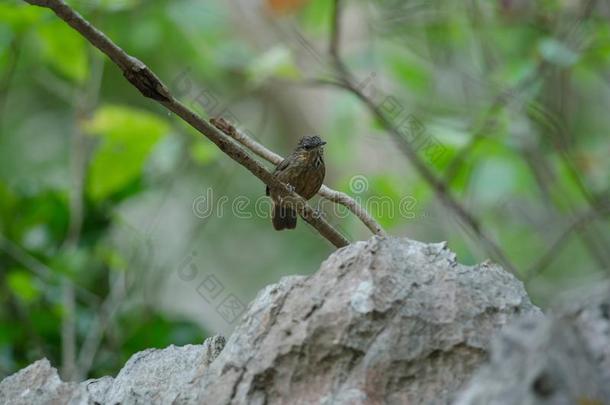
560,360
150,377
383,321
39,383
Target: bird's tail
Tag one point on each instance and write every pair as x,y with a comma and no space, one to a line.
283,217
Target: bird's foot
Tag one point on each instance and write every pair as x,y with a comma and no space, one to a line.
318,213
290,187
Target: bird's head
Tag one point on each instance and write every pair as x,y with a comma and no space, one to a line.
310,143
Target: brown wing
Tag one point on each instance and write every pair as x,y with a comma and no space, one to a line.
283,164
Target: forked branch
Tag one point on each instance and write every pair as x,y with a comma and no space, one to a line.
140,76
328,193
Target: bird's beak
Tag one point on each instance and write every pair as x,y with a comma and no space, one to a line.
322,143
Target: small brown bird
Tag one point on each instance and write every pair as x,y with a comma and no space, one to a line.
302,171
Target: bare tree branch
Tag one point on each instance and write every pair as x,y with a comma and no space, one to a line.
140,76
95,333
335,33
337,197
578,224
500,100
440,188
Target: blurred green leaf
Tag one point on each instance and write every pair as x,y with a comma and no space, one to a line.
23,285
276,61
111,257
19,15
40,221
206,19
315,16
599,50
383,199
557,52
6,40
64,49
204,152
147,35
127,136
106,5
71,262
8,201
410,71
159,332
47,323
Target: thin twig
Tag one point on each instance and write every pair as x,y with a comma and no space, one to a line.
5,80
455,165
68,332
121,286
440,188
335,31
85,100
577,224
143,78
334,196
98,327
40,269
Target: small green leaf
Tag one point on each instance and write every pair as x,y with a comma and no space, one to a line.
23,285
127,138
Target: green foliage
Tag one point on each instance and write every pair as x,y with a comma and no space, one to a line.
276,62
23,285
557,53
99,184
127,138
19,16
204,152
316,16
63,49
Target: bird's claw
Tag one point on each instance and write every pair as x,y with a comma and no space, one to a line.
317,213
290,187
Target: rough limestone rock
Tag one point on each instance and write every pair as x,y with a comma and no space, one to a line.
156,376
39,383
560,360
150,377
383,321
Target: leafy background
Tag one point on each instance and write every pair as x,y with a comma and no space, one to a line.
110,241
